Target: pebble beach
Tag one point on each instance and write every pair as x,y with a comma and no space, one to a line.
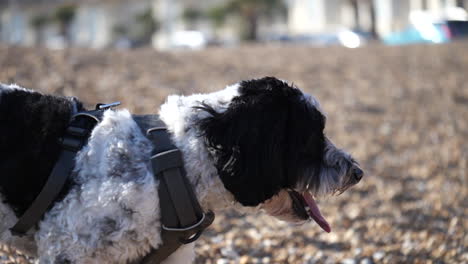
401,111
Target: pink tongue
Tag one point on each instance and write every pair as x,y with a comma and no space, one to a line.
314,212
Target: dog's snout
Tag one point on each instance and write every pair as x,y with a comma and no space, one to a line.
357,173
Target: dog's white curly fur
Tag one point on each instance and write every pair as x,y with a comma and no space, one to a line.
113,216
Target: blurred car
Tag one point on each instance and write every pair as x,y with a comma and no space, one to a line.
440,32
412,35
455,29
424,29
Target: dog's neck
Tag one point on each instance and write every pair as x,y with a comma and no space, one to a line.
181,116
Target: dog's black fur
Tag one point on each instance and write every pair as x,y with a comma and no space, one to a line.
266,140
27,158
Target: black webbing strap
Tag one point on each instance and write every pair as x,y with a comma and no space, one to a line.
74,138
183,219
47,195
172,240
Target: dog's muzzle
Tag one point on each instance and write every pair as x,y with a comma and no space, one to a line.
356,174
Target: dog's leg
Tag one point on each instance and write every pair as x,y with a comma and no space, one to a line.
184,254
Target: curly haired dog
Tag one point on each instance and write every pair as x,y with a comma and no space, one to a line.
256,145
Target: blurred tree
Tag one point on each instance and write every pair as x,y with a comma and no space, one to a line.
250,12
120,30
148,25
38,22
355,7
373,19
191,16
424,5
217,15
64,16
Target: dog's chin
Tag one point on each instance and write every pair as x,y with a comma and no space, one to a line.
296,208
283,207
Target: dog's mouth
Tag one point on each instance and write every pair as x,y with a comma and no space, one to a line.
305,207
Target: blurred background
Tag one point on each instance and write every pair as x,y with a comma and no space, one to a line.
169,24
390,74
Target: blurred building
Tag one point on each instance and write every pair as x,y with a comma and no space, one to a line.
315,16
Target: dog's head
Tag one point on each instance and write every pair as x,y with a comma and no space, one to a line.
270,150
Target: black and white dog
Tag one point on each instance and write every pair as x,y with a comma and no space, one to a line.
256,145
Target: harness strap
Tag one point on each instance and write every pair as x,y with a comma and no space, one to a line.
75,137
182,217
172,240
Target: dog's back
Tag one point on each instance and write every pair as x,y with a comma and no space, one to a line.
30,125
109,210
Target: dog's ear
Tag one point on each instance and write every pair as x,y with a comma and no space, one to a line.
260,141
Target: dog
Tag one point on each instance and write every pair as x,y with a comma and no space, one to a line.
258,145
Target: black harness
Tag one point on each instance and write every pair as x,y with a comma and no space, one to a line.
182,217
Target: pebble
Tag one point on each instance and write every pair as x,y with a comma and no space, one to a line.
348,261
366,261
357,251
222,261
244,260
229,252
378,255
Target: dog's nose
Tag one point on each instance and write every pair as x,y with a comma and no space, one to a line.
357,173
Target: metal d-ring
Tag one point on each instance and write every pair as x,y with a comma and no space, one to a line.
153,129
107,106
191,239
186,228
86,115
